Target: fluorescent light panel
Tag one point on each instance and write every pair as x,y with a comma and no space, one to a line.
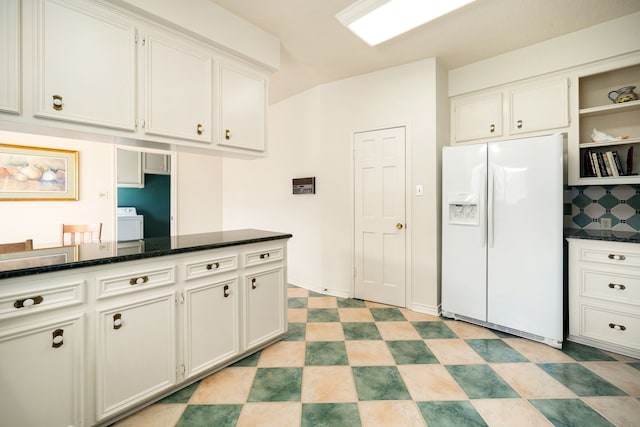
376,21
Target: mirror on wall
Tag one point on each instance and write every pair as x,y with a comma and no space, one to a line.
144,193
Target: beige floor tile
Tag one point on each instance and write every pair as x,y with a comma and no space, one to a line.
622,411
454,352
537,352
469,331
322,302
620,374
414,316
430,382
509,413
267,414
297,293
390,413
325,331
228,386
297,315
397,331
158,415
283,354
355,315
328,384
369,353
531,382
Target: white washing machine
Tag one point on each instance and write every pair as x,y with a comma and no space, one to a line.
130,224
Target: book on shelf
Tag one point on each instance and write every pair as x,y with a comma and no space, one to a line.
596,165
611,166
617,163
603,167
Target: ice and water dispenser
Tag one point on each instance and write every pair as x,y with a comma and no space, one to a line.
464,209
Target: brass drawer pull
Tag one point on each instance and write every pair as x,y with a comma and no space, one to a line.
492,128
253,283
617,327
117,321
199,128
519,124
617,286
226,292
57,102
28,302
227,134
617,257
265,255
57,340
213,265
138,280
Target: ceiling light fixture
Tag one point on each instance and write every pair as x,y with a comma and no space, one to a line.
376,21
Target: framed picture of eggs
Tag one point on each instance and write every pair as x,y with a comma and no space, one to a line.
32,173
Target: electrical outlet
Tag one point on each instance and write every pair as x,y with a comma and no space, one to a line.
605,223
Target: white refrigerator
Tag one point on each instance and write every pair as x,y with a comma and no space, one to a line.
502,251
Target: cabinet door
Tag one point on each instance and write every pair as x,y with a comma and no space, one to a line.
42,375
265,312
156,163
477,117
135,353
10,56
211,325
86,65
130,169
178,90
539,106
242,108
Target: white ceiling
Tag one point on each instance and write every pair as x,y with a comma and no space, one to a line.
316,48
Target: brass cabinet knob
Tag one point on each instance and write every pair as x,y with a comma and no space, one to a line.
57,102
226,292
199,128
519,124
227,134
492,128
57,340
399,226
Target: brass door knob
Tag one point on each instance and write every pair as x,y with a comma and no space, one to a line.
399,226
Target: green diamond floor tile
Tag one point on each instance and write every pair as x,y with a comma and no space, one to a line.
181,396
330,414
583,353
326,354
323,315
496,351
295,332
387,315
297,302
634,364
411,352
580,380
480,382
379,383
447,414
569,413
351,303
276,385
210,415
249,361
433,330
361,331
316,294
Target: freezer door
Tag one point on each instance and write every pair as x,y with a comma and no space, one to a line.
524,279
464,262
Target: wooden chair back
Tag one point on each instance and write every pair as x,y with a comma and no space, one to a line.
6,248
81,233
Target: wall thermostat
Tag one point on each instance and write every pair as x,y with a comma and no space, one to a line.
304,185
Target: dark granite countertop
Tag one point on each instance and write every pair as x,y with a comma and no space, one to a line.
57,258
607,235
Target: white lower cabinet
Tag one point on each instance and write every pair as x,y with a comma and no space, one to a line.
264,305
604,295
42,373
135,351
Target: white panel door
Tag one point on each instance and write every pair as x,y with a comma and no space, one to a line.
10,56
464,244
264,305
525,235
379,210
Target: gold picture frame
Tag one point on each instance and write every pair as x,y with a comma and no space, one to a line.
34,173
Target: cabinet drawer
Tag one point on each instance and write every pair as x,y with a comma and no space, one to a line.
263,256
611,325
211,265
40,298
616,287
612,256
126,281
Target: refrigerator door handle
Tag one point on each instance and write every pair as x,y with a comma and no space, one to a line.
490,207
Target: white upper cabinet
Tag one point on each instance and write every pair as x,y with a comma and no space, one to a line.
242,108
10,56
85,61
477,117
539,106
178,89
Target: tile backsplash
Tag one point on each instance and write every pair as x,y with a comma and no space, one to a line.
584,206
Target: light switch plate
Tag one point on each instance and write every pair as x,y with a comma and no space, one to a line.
419,190
605,223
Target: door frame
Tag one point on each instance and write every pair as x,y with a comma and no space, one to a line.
407,203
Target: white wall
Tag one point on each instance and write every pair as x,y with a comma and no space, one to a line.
310,134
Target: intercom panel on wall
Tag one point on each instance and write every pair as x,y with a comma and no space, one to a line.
304,185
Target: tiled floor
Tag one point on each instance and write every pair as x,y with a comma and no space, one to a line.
346,362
